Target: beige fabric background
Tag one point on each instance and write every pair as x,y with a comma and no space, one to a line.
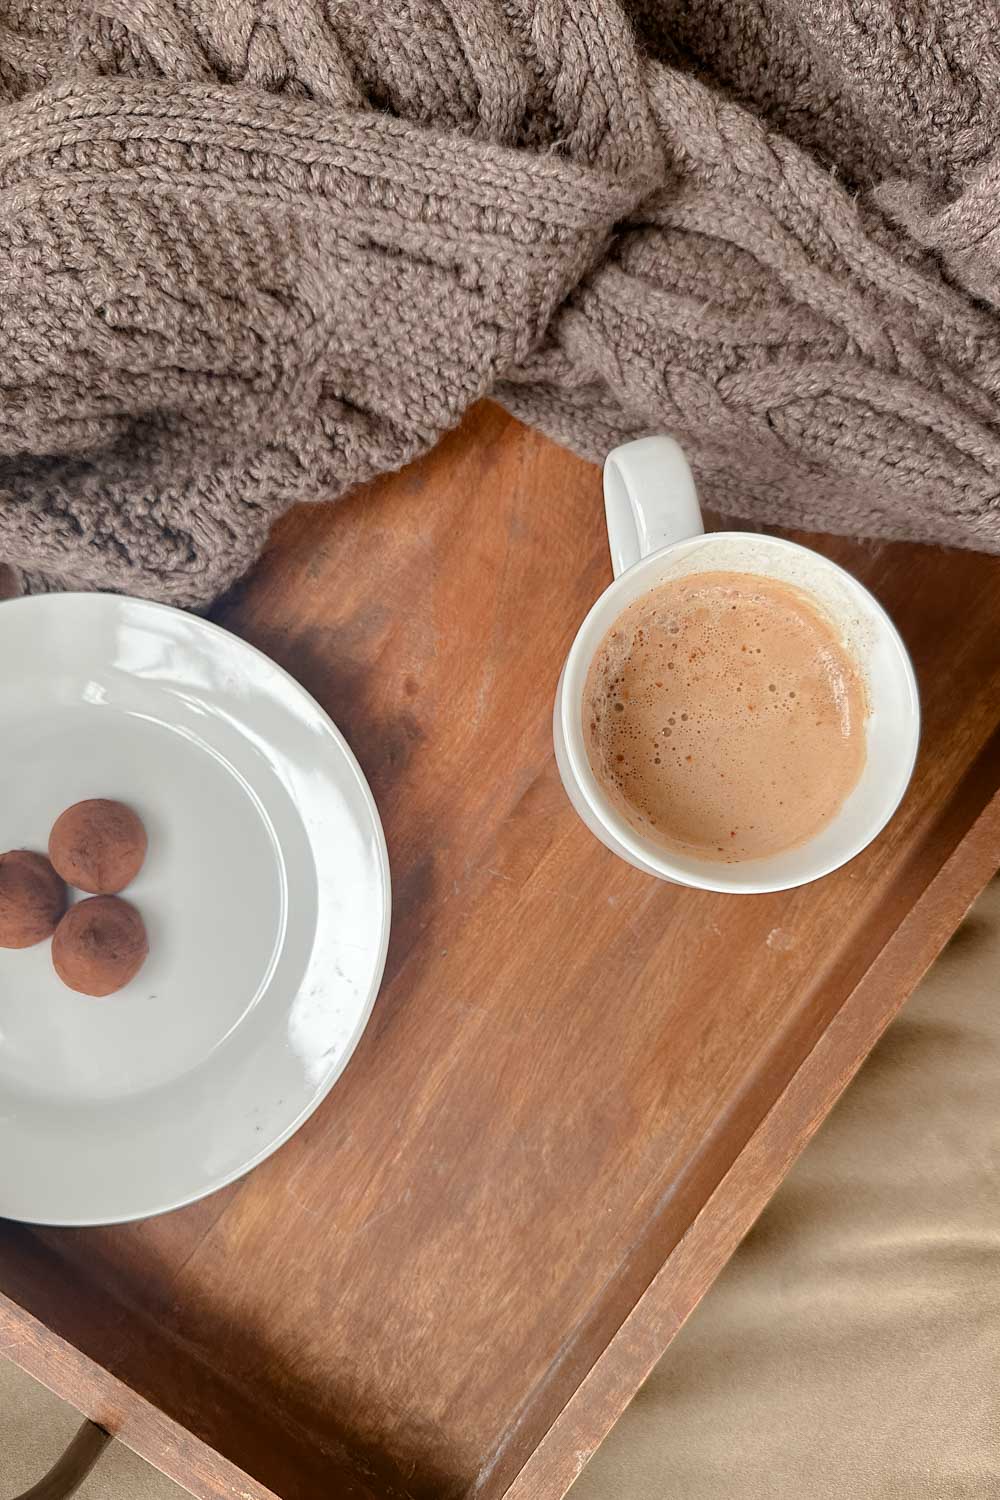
36,1427
851,1351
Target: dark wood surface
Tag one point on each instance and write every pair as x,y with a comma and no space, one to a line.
579,1084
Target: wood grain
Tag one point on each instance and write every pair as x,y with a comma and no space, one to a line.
729,1212
568,1071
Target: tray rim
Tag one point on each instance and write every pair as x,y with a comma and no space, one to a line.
690,1269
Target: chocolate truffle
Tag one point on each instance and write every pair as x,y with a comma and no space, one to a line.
32,899
99,946
98,846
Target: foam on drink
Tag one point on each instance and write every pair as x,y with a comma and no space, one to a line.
725,717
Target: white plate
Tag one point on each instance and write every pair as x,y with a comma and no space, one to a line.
265,893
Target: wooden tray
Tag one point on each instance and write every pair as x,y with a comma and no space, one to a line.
579,1085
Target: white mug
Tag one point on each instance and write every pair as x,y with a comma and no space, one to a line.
656,533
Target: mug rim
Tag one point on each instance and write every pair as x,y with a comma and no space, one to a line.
573,681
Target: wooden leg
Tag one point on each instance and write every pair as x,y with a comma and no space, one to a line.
69,1472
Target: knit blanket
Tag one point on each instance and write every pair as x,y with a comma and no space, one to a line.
255,251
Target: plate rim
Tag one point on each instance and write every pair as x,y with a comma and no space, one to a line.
226,1179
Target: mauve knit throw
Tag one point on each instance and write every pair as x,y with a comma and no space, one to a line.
255,251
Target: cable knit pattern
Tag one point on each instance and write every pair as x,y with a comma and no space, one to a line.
255,251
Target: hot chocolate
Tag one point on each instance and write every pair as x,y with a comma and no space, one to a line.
724,717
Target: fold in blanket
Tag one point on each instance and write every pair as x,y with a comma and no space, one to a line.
252,254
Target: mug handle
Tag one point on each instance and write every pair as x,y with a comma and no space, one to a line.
649,499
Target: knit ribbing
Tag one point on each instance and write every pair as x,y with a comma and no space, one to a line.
254,253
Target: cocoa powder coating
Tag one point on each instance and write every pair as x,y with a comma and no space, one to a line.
32,899
99,946
98,846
